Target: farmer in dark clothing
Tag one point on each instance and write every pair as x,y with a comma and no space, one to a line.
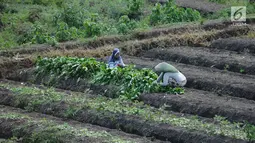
115,59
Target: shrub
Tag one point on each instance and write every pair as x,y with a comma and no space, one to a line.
125,24
134,8
171,13
73,15
64,33
92,25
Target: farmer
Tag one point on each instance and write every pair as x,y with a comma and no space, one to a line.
170,75
115,59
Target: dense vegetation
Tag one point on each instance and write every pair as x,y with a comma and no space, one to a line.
131,81
52,21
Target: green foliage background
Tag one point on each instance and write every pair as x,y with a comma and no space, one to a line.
51,21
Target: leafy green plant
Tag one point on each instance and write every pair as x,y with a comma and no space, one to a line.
242,70
91,28
72,14
125,24
226,67
250,130
64,33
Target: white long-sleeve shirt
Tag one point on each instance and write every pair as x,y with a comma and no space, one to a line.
173,79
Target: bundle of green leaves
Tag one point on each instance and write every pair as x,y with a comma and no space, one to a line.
131,81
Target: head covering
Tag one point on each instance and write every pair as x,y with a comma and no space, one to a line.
165,67
114,52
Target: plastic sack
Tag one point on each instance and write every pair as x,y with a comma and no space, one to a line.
165,67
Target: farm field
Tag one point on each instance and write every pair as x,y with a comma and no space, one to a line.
65,92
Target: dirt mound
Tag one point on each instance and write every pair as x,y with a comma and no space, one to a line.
235,44
199,56
204,104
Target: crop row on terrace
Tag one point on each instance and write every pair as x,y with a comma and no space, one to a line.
220,59
103,41
133,48
208,79
202,39
131,82
200,103
34,127
192,74
132,117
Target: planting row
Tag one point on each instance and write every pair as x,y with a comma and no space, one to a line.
221,59
177,34
199,39
132,117
196,102
34,128
209,79
131,82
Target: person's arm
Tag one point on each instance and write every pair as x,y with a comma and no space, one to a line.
160,77
121,63
165,80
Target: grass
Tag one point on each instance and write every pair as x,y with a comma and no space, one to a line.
44,130
79,102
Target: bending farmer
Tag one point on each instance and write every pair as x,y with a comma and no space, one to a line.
115,59
170,75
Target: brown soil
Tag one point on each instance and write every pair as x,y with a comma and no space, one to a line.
7,125
206,104
209,79
235,44
221,59
83,85
130,124
8,65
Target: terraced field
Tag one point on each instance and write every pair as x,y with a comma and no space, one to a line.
218,104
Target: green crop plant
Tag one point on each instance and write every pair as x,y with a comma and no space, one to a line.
132,82
242,70
78,102
250,130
